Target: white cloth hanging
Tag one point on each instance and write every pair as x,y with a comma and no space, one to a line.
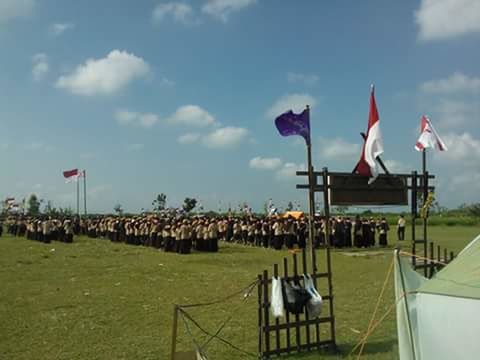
314,305
276,297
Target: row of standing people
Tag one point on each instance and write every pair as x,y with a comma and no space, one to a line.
45,229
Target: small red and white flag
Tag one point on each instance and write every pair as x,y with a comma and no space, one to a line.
373,145
72,175
429,137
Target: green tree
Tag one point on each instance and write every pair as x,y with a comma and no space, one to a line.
160,202
289,206
118,209
34,205
189,204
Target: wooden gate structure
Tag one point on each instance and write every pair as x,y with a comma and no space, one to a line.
298,333
295,333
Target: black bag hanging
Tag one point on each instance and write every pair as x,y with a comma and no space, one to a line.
294,297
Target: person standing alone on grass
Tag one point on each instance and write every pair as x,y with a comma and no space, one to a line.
401,228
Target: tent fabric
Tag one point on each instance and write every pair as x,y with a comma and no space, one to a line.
461,278
439,318
295,214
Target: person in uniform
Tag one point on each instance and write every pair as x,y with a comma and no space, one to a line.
373,227
383,231
46,230
348,232
357,233
213,236
278,234
401,228
68,230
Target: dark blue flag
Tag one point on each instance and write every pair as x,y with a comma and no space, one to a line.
290,123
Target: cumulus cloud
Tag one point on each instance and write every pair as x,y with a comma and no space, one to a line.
179,11
146,120
463,149
289,171
456,83
455,113
222,9
224,137
59,28
306,79
260,163
189,138
443,19
191,115
105,76
295,102
11,9
40,66
338,149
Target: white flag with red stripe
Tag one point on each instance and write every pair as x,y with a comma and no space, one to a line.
429,137
72,175
373,146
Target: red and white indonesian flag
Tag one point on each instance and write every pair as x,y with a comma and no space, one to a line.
429,137
72,175
373,146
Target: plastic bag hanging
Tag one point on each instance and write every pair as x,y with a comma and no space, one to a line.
277,298
314,305
294,297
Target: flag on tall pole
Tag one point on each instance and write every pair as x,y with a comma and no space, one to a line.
429,137
72,175
373,145
290,123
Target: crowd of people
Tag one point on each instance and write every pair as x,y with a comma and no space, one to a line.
44,229
202,233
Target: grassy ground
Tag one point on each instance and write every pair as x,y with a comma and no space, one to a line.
96,300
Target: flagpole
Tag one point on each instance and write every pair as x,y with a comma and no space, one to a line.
425,196
78,197
311,198
85,191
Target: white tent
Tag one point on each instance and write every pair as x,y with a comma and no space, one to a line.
439,318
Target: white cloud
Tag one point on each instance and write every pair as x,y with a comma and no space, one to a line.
225,137
10,9
189,138
40,66
456,83
179,11
105,76
454,113
289,171
295,102
467,180
463,150
306,79
59,28
443,19
191,115
395,166
260,163
221,9
338,149
146,120
135,147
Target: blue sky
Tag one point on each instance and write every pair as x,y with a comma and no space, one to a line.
179,97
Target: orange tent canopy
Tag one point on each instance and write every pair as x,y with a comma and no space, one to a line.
295,214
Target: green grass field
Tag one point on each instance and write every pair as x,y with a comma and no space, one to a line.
96,300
